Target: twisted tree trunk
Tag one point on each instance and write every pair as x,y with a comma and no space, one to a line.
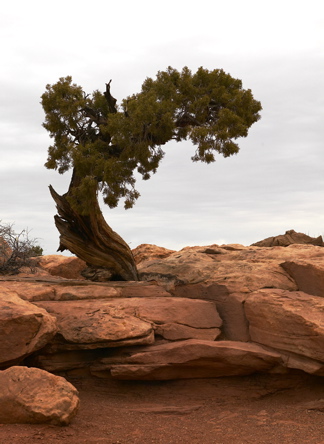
91,239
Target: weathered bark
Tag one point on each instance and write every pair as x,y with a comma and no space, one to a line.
91,239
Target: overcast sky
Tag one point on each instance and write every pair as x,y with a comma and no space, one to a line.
274,184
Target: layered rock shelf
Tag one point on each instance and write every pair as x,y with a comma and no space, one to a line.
201,312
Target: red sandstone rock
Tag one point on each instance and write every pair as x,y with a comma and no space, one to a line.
290,237
24,328
190,359
30,291
227,276
96,324
47,290
289,321
31,395
234,271
309,276
150,252
175,332
67,360
119,322
299,362
68,267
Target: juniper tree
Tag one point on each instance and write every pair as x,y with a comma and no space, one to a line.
105,145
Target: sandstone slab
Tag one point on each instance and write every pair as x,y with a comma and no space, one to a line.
290,321
298,362
189,359
29,290
43,289
125,321
24,328
309,276
96,324
31,395
109,290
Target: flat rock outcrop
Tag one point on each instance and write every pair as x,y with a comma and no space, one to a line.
24,328
34,396
226,274
233,268
44,289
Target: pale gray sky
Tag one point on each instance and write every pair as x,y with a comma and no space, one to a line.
274,184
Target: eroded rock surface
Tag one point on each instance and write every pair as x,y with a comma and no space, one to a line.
270,298
24,328
240,269
289,238
47,290
63,266
190,359
146,252
291,321
308,274
119,322
33,396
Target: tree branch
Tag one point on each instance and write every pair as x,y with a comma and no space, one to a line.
110,99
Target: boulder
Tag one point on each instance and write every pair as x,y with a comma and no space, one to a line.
24,328
33,396
290,237
309,276
150,252
68,267
289,321
189,359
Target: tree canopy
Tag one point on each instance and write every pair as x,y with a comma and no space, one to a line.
106,143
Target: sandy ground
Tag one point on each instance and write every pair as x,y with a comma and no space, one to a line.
255,409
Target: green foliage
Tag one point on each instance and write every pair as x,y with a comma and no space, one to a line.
106,144
36,251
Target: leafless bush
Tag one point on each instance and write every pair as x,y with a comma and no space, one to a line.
16,249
